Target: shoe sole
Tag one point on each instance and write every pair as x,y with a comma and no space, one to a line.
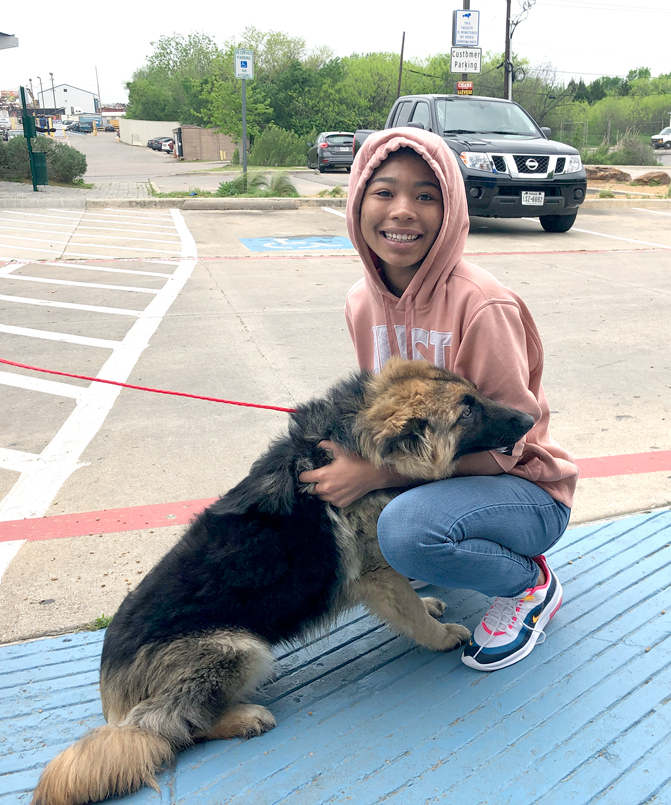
543,621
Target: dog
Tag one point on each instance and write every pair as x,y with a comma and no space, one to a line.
269,564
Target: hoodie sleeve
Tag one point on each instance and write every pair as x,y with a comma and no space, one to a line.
500,351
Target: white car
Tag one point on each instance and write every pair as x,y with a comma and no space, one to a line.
167,145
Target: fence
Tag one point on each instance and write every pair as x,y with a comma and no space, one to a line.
582,134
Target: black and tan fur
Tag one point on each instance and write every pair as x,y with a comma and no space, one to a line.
269,563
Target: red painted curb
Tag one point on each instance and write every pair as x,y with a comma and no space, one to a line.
139,518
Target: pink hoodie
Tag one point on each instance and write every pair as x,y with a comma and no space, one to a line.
454,314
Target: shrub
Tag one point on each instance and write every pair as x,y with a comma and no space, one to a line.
64,163
629,150
277,147
236,157
259,185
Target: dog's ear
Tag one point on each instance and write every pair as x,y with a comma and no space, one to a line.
411,439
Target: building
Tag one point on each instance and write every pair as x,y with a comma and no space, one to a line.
75,101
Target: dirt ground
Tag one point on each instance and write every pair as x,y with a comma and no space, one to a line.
628,189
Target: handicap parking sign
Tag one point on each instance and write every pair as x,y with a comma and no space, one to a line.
296,244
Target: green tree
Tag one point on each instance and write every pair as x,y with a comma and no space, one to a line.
169,86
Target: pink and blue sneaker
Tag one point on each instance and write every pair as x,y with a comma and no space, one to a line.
513,626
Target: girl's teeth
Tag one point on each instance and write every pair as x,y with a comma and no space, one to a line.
401,238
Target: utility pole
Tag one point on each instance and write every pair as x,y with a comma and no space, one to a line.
400,67
32,94
507,66
41,92
53,89
100,102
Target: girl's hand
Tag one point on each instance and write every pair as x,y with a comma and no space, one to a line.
347,478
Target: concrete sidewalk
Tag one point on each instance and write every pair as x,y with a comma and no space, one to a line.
363,716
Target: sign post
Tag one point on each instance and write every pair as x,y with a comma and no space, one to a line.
28,133
244,69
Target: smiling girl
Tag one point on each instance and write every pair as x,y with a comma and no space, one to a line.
486,528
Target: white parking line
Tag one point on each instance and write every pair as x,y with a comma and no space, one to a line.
109,269
38,384
335,212
34,492
144,213
654,212
612,237
15,460
66,338
68,305
49,281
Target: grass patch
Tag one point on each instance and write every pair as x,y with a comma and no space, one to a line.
98,623
606,194
334,192
259,185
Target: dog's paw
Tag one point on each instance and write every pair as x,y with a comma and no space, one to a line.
243,721
434,606
454,635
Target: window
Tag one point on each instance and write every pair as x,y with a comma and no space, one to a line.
402,113
422,115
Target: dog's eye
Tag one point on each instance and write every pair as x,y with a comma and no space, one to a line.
466,413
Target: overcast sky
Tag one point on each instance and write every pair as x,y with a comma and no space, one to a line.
585,38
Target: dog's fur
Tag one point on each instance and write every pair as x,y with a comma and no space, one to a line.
270,563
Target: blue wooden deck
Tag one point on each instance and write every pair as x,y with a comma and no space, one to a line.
363,717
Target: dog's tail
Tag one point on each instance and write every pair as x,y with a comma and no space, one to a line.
107,761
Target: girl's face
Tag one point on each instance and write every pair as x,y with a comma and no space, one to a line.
402,212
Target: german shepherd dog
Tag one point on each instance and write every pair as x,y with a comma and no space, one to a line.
269,564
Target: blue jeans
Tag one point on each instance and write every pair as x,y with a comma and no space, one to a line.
473,533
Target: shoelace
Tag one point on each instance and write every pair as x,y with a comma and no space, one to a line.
504,609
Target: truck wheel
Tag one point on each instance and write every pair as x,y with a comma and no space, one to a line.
558,223
667,144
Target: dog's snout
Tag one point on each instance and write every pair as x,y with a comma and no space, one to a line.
527,422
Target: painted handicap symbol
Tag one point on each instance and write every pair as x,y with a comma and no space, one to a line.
296,244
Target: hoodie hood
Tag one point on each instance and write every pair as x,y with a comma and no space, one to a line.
447,250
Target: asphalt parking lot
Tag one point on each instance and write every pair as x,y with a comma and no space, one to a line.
179,300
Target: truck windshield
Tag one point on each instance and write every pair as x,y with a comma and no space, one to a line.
469,116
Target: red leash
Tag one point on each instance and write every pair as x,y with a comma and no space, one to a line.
144,388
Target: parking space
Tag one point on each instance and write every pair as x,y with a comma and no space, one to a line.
50,234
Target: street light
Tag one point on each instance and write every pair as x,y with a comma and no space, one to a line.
32,94
53,90
41,90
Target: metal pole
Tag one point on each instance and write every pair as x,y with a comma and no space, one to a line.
506,59
30,147
41,92
466,5
53,90
400,67
244,130
32,94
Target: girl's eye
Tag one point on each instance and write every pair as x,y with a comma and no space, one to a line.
426,197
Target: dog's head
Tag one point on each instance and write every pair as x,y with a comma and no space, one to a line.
422,419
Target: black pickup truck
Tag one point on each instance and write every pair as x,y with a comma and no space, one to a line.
511,168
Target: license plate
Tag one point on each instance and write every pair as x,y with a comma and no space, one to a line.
536,198
345,149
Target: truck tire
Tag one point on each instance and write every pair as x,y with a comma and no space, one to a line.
558,223
667,144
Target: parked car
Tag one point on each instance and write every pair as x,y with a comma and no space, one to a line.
109,127
156,142
510,166
85,128
662,140
331,149
168,145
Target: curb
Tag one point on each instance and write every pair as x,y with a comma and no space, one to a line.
239,204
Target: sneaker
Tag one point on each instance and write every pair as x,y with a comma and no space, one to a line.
513,626
416,584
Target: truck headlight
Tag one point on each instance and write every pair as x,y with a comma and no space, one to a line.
477,161
573,164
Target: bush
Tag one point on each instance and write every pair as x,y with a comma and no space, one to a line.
64,163
277,147
629,150
279,185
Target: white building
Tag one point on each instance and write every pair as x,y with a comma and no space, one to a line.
75,101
